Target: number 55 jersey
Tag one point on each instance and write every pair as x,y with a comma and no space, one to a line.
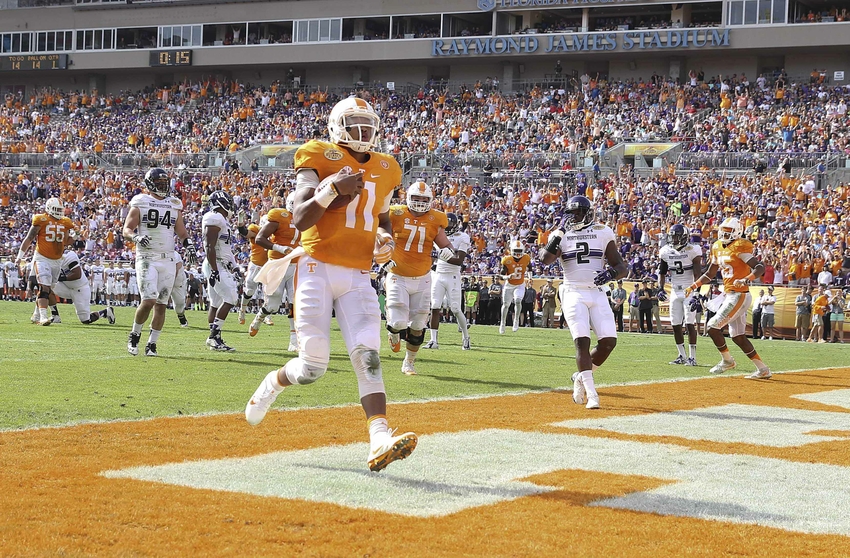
157,220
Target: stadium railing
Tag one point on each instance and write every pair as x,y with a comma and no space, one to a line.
747,160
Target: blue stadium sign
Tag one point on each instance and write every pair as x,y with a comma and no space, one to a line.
582,42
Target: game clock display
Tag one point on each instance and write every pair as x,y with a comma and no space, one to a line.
33,62
171,58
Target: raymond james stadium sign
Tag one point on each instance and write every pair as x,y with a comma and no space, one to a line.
582,42
487,5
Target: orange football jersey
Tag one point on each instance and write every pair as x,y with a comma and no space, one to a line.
516,268
345,236
259,256
414,239
730,259
52,235
286,233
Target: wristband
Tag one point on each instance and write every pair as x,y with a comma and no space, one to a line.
325,193
186,242
281,249
20,254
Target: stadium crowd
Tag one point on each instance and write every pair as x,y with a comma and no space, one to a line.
529,143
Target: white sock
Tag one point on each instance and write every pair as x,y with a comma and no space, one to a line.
587,380
379,429
411,356
434,333
271,380
464,328
681,347
154,335
137,328
42,313
218,323
693,352
291,327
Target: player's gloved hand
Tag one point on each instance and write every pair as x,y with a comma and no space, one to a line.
73,233
384,246
241,218
692,288
604,276
661,296
741,282
142,240
191,253
389,266
284,250
695,305
446,254
214,278
554,241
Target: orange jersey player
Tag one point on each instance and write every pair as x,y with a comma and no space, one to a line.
516,268
258,258
733,256
342,208
51,232
417,229
279,236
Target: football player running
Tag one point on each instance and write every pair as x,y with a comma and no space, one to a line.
341,240
73,285
589,258
279,236
258,258
516,269
219,266
416,229
157,216
733,256
446,283
683,261
51,231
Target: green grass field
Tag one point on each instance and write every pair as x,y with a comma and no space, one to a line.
70,372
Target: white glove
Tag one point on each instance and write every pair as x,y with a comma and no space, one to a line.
20,257
389,266
384,246
281,249
73,233
557,233
241,218
446,254
142,240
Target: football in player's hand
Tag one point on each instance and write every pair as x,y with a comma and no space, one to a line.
348,185
340,201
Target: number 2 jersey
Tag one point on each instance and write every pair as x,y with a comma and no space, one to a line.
345,236
583,254
157,220
679,264
414,239
732,260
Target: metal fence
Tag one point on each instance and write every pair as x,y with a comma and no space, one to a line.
746,160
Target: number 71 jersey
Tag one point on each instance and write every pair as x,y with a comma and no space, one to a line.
583,253
156,220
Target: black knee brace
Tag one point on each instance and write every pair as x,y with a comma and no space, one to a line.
415,340
43,293
402,334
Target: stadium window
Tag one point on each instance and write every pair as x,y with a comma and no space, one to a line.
136,37
736,13
165,36
313,33
780,9
750,12
336,29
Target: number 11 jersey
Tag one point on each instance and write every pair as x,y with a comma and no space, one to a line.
157,219
583,254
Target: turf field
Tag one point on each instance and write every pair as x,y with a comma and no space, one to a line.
71,372
506,464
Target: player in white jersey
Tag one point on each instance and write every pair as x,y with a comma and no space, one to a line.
157,216
96,279
13,281
219,266
74,286
684,263
445,284
178,292
589,258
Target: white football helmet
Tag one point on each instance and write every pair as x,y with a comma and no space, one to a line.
352,114
419,197
517,248
290,202
55,208
730,229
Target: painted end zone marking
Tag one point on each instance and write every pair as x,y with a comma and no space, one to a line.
836,398
449,473
749,424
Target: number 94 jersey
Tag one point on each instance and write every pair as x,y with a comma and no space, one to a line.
157,219
583,253
680,263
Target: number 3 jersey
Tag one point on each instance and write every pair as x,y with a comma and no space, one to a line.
345,236
157,220
223,251
679,264
583,254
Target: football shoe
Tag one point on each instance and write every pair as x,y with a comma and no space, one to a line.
395,448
